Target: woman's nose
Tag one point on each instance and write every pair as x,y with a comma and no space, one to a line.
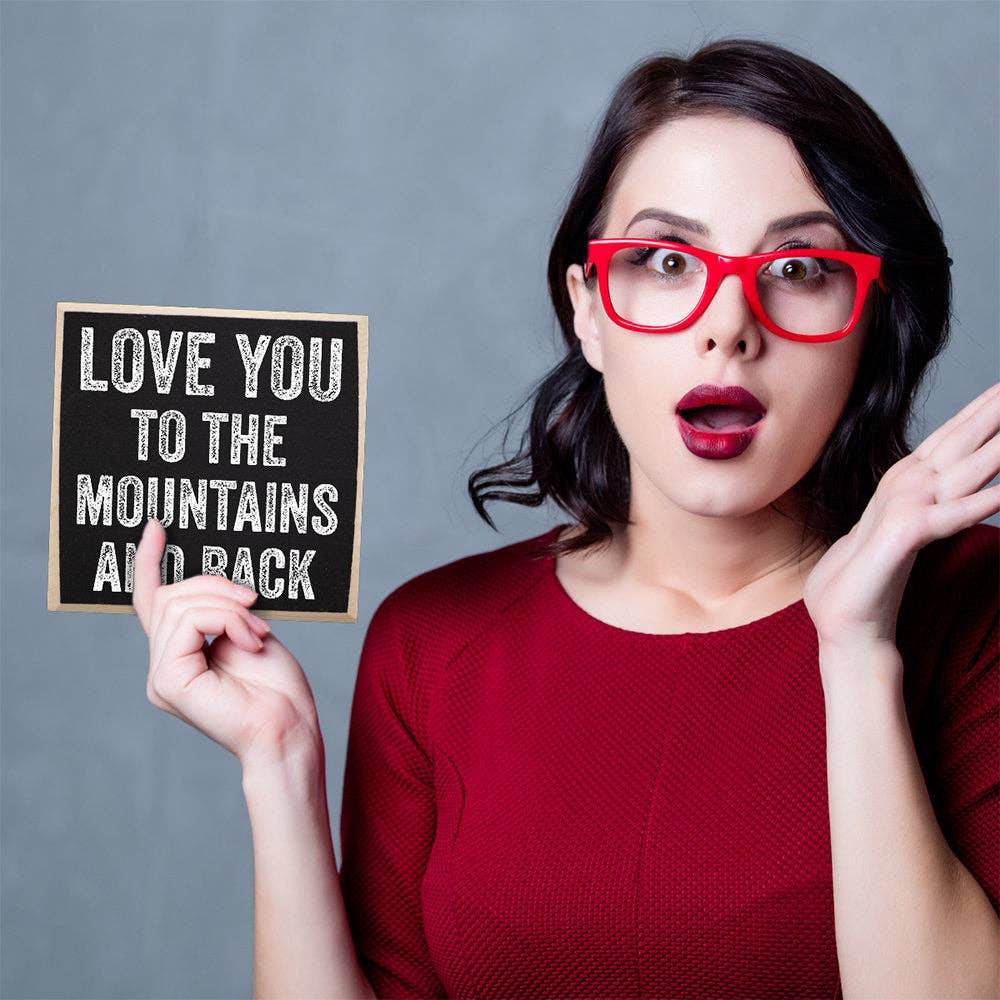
729,322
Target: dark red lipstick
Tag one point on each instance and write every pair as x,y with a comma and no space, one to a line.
719,421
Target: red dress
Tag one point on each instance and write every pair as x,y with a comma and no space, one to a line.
540,804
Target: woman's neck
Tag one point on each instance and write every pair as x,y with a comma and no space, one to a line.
712,561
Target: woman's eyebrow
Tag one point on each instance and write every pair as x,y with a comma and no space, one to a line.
781,225
801,219
671,219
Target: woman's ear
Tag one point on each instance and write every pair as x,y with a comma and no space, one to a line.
584,321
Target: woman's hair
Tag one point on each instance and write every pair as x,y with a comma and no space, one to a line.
571,450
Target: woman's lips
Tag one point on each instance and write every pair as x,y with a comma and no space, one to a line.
725,442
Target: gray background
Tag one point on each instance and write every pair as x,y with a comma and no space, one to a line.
409,161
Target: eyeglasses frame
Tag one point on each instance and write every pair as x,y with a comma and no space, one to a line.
867,267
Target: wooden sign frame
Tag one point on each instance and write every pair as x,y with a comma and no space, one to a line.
362,321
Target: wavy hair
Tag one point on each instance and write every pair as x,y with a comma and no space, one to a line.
571,451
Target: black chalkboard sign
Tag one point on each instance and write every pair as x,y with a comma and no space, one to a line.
241,431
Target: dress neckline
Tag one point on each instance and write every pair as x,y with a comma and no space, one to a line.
586,620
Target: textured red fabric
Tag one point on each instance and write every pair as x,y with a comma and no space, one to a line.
539,804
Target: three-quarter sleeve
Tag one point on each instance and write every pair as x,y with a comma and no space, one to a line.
387,819
966,749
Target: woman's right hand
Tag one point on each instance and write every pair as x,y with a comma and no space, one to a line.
243,689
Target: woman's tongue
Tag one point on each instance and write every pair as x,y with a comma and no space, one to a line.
719,418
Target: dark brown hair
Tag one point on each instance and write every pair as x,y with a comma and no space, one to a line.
571,451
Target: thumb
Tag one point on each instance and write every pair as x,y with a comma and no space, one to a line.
147,569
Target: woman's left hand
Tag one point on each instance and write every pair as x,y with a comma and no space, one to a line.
854,592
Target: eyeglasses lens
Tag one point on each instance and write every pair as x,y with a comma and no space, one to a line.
801,293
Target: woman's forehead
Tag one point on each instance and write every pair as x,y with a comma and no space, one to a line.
732,174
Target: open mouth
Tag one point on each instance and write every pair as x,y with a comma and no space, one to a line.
720,419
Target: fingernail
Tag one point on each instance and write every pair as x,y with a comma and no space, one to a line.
245,590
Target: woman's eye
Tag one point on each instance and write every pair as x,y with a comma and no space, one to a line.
794,268
672,262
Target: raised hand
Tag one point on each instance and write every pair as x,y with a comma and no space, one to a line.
854,592
243,688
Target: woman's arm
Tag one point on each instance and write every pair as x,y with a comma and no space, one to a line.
911,920
302,942
246,692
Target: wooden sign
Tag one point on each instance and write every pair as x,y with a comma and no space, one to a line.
241,431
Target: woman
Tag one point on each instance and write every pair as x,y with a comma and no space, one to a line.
719,735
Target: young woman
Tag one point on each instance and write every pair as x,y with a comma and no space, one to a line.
730,731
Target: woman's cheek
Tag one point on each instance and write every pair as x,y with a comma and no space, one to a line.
805,427
638,402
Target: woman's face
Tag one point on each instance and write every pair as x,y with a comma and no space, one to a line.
734,177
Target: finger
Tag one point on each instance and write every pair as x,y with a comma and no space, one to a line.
970,473
169,614
163,639
209,583
966,438
983,404
180,658
246,636
923,450
947,519
204,585
172,605
178,606
157,700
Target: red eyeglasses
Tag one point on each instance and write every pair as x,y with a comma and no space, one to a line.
801,293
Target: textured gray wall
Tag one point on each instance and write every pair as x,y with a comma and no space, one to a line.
407,161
